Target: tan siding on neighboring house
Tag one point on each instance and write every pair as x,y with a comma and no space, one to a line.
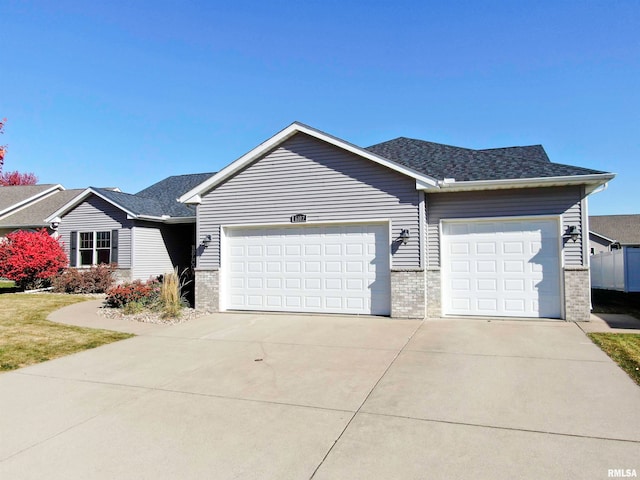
95,214
305,175
564,201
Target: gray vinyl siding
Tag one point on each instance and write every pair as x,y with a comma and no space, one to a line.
159,248
95,214
306,175
563,201
150,255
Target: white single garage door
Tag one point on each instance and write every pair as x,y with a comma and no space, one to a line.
319,268
501,268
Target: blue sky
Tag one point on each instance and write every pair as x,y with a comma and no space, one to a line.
125,93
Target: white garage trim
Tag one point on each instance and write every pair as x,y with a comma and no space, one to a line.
289,267
488,268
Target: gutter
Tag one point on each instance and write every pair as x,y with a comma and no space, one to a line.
451,185
162,219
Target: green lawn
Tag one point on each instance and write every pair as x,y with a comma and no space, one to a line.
623,348
7,283
26,337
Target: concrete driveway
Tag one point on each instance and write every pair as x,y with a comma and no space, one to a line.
256,396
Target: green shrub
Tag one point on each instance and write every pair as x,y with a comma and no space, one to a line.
132,308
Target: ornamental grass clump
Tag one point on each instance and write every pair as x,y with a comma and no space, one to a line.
162,295
170,297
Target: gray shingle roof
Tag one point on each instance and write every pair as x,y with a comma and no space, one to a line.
167,191
34,215
160,198
18,193
624,229
530,152
465,164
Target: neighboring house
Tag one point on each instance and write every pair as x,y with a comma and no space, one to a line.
146,234
307,222
611,232
26,207
615,248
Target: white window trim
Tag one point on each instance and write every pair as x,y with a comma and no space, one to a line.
94,256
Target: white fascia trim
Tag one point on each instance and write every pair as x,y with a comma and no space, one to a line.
32,199
150,218
591,232
596,180
163,219
79,198
193,195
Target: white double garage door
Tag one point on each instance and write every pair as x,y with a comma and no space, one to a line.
506,268
338,268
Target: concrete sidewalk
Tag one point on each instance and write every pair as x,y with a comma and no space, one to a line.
85,314
611,323
258,396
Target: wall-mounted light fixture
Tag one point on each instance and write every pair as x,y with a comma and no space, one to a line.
55,223
404,236
572,233
206,241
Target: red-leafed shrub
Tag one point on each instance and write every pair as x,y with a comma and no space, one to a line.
31,259
134,292
96,279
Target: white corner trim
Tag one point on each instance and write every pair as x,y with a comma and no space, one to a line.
193,195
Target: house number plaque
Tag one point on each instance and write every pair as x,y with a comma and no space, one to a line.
298,218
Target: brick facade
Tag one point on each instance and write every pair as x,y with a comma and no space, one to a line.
207,290
434,296
577,294
415,293
407,294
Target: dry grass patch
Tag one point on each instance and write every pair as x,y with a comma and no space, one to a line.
623,348
26,337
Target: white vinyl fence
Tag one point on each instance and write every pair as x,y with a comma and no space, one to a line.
617,270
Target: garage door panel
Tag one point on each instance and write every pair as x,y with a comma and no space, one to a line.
486,266
486,304
336,268
485,248
522,278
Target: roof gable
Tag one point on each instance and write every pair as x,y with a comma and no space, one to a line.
155,203
193,195
18,196
35,214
